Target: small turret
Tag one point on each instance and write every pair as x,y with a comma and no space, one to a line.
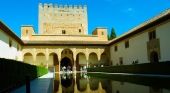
101,32
26,32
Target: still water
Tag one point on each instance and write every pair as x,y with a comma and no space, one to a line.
103,83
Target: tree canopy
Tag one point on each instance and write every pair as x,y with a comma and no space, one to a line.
112,35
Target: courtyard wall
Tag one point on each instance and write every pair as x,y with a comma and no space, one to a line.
10,46
137,45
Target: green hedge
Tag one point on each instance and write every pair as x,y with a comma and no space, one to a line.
146,68
13,73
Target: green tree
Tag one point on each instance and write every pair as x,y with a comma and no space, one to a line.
108,36
112,35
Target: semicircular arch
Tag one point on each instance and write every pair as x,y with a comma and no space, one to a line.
93,60
41,59
28,58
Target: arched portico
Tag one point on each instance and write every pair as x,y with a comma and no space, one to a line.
28,58
53,62
104,59
79,56
66,64
81,61
93,60
67,60
41,59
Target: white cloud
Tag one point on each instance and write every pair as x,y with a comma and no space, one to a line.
129,9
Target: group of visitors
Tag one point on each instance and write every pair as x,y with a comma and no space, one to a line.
66,69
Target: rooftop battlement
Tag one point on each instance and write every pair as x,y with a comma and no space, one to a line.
54,6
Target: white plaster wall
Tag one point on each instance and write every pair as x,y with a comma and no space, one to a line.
6,51
137,50
163,33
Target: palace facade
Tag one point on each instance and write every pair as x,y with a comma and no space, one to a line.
63,40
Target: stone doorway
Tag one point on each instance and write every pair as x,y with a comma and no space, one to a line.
66,64
154,58
66,60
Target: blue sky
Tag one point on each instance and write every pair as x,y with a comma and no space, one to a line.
120,14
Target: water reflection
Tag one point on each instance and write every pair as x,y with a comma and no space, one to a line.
77,83
81,83
119,87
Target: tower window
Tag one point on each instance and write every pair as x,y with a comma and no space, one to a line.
126,44
152,35
26,32
79,30
63,31
102,33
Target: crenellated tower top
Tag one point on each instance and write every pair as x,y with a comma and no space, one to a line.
50,5
63,19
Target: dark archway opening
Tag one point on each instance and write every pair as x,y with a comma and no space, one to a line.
66,81
66,64
154,57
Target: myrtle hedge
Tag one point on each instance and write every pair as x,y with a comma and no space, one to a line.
14,73
145,68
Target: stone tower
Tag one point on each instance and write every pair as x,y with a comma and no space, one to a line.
62,19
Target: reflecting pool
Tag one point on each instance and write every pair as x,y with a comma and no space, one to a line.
106,83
